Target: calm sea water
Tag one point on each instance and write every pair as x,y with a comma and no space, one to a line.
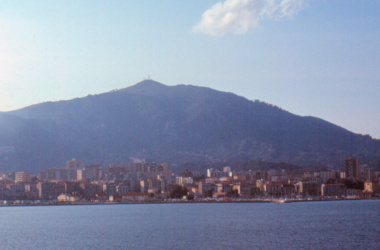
303,225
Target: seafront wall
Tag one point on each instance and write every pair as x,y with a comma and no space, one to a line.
56,203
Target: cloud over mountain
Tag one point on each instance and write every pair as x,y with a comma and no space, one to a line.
240,16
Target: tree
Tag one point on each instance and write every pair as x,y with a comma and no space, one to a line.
254,191
177,191
190,197
233,193
354,184
208,193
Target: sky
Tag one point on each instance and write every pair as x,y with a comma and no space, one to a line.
310,57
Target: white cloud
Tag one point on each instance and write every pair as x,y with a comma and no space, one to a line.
240,16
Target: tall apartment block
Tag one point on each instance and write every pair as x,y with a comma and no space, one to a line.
74,164
22,177
352,168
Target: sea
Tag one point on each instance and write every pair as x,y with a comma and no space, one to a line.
298,225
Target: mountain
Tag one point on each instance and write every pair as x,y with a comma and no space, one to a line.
177,124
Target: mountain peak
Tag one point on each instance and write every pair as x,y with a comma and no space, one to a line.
149,83
146,87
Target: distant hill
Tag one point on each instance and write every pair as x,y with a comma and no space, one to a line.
177,124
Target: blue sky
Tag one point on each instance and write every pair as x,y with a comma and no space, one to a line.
311,57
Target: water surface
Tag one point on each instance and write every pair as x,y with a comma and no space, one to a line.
302,225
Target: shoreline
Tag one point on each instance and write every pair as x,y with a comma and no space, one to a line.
281,201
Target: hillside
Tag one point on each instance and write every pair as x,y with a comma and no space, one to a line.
177,124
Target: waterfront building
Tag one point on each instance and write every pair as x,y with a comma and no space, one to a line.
279,189
89,189
15,191
50,190
134,196
31,191
71,187
352,168
244,189
218,195
307,188
109,188
372,187
260,185
351,192
273,189
205,188
223,187
332,190
288,189
67,198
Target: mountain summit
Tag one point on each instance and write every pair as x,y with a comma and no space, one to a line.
146,87
177,124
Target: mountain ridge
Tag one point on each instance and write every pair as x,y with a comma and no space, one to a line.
181,124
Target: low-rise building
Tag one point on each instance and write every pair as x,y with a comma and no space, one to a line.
50,190
16,191
332,190
67,198
206,189
307,188
223,187
372,187
273,189
134,196
351,192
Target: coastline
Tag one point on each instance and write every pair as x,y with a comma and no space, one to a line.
81,203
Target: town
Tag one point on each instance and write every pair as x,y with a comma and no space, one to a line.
152,182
